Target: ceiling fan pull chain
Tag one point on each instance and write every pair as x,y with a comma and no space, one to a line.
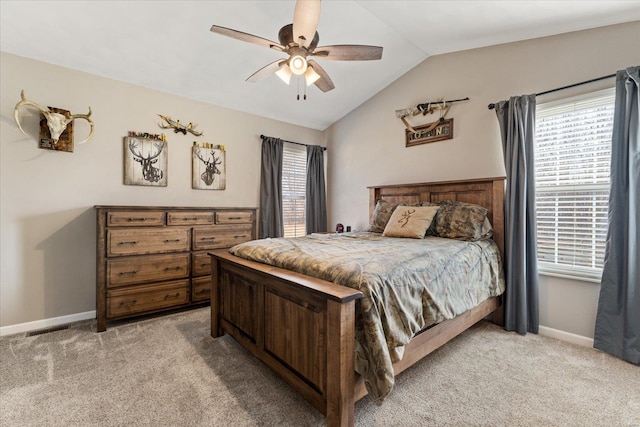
305,91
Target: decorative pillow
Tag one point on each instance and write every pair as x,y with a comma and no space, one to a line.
487,229
381,214
431,231
459,220
410,221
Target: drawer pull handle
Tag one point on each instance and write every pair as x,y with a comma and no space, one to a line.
172,268
172,240
122,273
235,217
204,264
207,238
240,236
176,295
132,242
137,219
194,218
203,291
132,302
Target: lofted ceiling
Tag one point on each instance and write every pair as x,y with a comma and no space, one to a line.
167,45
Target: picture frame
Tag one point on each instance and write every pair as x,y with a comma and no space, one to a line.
208,168
423,135
145,161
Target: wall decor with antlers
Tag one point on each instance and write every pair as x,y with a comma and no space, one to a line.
56,125
209,171
178,127
145,161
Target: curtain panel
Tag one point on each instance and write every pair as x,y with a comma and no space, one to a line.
516,118
316,199
617,329
271,223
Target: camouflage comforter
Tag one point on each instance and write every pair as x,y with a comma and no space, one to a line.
408,285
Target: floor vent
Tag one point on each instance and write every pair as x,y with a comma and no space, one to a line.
47,330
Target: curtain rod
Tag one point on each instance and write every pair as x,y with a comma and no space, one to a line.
292,142
492,106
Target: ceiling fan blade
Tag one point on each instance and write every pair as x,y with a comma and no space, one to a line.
305,21
246,37
266,71
324,83
348,52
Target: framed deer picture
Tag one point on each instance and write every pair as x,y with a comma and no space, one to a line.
209,170
145,161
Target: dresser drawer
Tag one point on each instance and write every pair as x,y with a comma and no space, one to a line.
201,288
146,298
190,218
127,271
141,241
135,218
220,236
200,264
232,217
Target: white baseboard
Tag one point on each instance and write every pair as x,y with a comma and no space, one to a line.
46,323
565,336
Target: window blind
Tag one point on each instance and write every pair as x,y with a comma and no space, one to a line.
572,169
294,182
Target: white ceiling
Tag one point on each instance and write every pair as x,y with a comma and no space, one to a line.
167,45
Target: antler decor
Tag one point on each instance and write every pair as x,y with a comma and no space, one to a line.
56,122
427,108
178,127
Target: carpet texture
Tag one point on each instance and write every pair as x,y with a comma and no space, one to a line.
168,371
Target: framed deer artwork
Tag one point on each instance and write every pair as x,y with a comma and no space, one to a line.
145,161
208,171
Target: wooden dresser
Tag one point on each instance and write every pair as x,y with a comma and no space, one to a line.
150,259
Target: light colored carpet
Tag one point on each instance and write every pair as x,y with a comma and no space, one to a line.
168,371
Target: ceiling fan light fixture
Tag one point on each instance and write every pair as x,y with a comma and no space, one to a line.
311,76
298,64
284,73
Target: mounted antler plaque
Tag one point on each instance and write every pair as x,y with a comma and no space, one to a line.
145,161
64,141
56,125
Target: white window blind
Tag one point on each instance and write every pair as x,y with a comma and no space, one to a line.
294,182
572,169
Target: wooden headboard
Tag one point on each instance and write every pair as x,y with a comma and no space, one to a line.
486,192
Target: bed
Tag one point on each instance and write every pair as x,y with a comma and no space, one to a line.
304,328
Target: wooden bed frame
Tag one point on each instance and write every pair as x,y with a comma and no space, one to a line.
304,328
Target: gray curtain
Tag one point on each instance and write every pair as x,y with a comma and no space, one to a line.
271,224
617,330
517,127
316,200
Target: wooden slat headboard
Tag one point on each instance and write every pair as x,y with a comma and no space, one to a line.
486,192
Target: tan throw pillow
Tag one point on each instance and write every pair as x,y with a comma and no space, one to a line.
410,221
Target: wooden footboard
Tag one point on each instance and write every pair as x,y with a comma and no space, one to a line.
302,328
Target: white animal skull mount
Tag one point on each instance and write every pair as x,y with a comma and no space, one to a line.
57,122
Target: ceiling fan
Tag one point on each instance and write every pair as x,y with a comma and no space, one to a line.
300,41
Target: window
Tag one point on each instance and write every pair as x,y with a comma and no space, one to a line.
572,169
294,183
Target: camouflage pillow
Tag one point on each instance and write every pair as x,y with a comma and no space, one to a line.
431,231
410,221
459,220
381,214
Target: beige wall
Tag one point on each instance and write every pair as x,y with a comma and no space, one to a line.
47,225
367,146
